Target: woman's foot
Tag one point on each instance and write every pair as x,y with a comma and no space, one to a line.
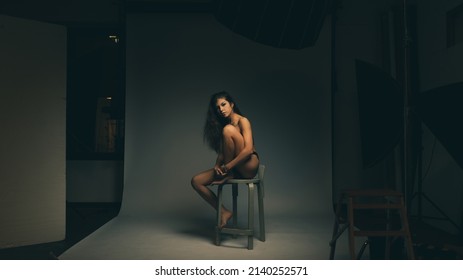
226,216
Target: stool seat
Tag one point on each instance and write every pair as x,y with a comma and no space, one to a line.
252,184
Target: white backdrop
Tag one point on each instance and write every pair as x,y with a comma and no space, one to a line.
33,141
174,63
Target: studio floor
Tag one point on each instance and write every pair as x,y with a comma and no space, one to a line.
95,231
156,238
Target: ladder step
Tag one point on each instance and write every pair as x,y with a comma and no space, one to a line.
376,206
380,233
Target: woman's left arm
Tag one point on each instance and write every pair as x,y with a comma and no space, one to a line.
246,131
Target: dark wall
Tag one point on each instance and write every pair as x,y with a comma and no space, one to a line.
174,63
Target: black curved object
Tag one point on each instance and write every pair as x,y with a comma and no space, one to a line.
291,24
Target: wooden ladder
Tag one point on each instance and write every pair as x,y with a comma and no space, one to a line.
378,207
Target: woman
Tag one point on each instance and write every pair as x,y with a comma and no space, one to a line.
229,134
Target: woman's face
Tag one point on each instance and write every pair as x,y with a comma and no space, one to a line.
224,108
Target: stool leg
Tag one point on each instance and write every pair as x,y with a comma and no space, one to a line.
251,215
260,197
235,202
219,214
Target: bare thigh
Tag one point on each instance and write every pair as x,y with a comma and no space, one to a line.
248,169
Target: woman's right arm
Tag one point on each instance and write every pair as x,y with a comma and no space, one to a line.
218,164
219,160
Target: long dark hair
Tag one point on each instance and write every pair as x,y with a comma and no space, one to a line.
212,134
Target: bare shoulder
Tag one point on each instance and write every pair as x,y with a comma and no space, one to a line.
244,122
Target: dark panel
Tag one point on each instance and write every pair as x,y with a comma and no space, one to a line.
380,112
441,111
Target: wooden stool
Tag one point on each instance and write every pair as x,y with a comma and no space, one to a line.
374,201
256,182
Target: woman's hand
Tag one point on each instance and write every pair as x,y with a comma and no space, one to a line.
221,170
224,169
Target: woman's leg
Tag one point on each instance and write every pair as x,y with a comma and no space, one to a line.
199,183
233,144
